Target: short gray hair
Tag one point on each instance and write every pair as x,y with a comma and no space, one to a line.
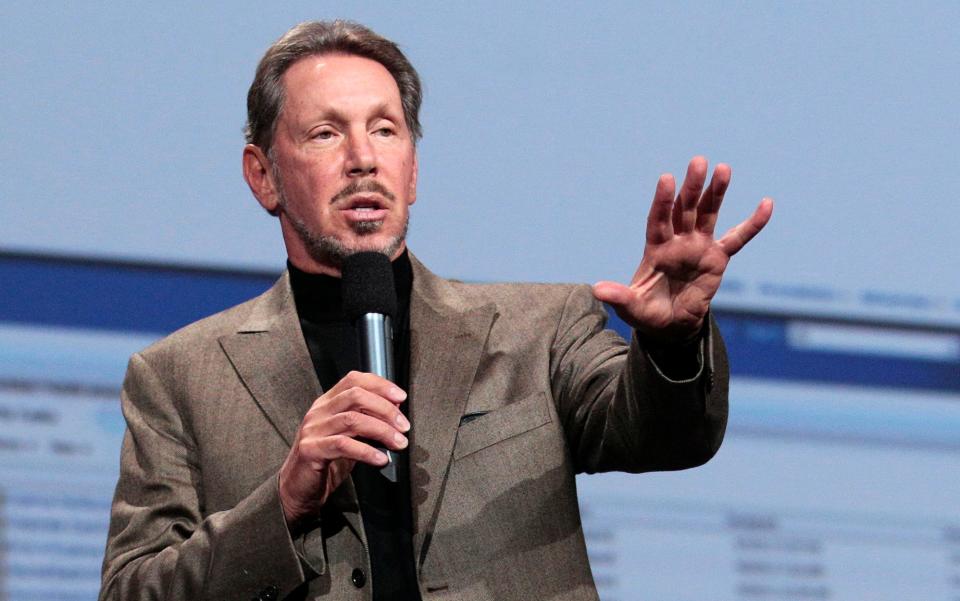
266,95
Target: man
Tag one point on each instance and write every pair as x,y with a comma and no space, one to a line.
250,469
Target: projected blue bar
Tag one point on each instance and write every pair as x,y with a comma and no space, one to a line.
761,346
117,296
158,299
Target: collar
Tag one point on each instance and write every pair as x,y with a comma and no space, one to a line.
319,297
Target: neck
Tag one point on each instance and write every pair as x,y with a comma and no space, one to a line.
302,260
318,296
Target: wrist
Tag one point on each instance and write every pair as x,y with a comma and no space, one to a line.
672,338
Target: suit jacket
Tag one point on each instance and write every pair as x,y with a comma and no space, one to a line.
513,390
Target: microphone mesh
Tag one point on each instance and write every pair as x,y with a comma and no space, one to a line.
368,285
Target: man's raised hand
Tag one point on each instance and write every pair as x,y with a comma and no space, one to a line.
361,405
670,293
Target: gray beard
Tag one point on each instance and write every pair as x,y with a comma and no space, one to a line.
328,250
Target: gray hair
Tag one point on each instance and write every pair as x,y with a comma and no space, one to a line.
266,95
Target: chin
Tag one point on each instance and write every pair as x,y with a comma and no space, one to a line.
363,228
332,251
368,236
387,245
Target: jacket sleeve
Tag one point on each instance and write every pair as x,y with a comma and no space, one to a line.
619,411
160,544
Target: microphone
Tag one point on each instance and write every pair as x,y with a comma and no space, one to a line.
370,302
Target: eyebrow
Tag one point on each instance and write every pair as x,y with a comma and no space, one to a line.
381,109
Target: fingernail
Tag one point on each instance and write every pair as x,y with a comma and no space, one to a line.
382,458
396,394
402,422
400,439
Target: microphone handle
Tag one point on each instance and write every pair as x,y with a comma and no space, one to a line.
376,357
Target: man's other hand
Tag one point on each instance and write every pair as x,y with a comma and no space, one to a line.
361,405
670,293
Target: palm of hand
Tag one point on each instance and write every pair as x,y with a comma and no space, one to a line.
674,285
682,266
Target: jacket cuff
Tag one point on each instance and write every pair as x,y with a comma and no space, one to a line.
682,364
253,552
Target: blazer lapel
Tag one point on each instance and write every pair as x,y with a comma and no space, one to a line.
447,339
271,357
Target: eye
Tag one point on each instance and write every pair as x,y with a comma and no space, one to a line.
386,132
323,134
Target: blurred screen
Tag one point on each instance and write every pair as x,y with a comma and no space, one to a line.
839,477
125,216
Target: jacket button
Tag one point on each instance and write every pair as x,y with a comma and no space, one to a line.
358,578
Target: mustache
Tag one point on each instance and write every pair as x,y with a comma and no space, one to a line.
361,186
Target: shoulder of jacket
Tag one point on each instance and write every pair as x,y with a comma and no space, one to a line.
204,332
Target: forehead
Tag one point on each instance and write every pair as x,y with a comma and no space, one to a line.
341,82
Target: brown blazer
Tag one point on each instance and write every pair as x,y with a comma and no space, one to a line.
513,390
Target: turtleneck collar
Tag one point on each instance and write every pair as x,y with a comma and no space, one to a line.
319,298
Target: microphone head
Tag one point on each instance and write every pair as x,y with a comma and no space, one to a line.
367,284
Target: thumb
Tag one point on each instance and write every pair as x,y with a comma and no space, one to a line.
612,293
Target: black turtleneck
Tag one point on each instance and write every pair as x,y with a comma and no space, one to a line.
335,350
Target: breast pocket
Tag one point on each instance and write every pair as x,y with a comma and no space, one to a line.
478,432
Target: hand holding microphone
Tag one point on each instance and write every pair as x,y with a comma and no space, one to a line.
359,419
370,302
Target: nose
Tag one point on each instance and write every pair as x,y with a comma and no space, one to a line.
361,157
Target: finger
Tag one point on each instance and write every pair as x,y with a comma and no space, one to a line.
709,206
371,382
685,209
659,225
374,384
357,425
613,293
622,298
319,452
738,236
363,401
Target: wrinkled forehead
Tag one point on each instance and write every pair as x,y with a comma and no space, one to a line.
341,81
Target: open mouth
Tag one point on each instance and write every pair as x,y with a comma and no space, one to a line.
364,208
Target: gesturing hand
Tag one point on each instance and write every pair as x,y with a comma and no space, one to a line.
669,295
361,405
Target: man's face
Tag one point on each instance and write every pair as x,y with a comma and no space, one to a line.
343,162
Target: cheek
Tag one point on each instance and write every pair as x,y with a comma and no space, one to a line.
314,189
313,172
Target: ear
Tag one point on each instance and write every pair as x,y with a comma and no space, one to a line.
412,196
259,176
